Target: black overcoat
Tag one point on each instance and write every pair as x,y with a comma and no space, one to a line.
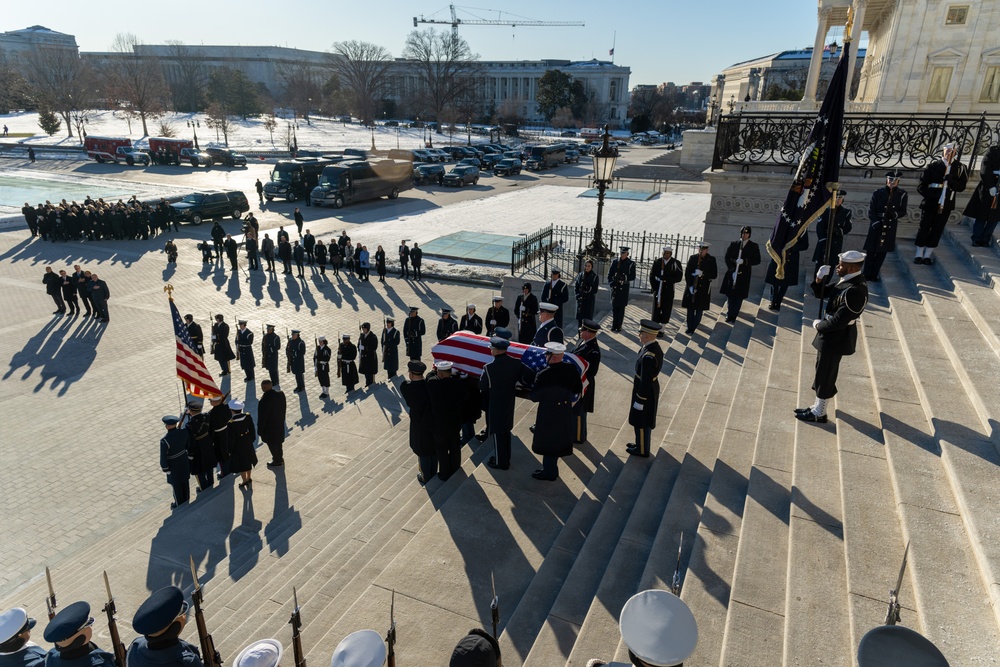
555,387
271,417
646,386
700,297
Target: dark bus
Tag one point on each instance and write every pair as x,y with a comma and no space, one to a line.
294,179
354,181
545,157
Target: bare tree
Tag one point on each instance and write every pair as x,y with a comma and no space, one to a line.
61,82
270,123
187,76
220,121
363,69
301,86
445,66
135,81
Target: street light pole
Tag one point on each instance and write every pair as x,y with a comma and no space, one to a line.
372,128
604,167
468,129
193,124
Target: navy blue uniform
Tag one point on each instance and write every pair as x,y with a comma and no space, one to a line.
270,349
590,352
85,656
244,348
173,652
556,293
175,450
620,277
645,395
29,656
413,331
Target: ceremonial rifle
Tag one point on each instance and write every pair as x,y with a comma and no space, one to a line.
495,611
50,601
892,613
340,352
296,623
209,655
390,636
675,582
110,609
288,357
211,321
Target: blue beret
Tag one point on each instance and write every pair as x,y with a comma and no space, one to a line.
159,611
499,343
69,621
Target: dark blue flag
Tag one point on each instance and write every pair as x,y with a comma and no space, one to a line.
817,174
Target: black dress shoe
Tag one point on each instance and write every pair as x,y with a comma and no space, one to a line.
773,306
928,261
173,506
272,464
482,435
918,260
810,417
421,478
540,474
802,411
689,331
635,452
532,428
492,463
223,373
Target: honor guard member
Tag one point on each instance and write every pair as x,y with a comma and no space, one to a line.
418,402
244,350
70,631
242,440
886,207
160,620
471,321
585,288
837,333
779,286
446,325
498,384
447,394
199,428
363,648
843,223
16,647
270,350
645,388
666,272
321,366
390,348
939,183
195,334
556,387
175,448
222,351
983,206
496,316
526,307
476,649
368,354
548,331
218,418
263,653
413,332
504,333
658,628
698,276
347,359
556,291
295,353
620,277
588,350
741,257
171,249
271,410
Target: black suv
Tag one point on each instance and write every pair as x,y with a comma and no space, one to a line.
428,173
227,157
205,206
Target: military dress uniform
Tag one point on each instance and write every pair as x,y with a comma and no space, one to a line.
368,354
447,395
496,316
222,351
390,348
447,325
498,384
321,365
938,185
556,292
526,308
548,331
471,322
698,276
983,206
663,276
202,457
589,351
271,410
556,387
418,401
843,223
413,333
15,649
218,418
175,449
69,627
295,352
159,620
195,334
741,256
347,358
270,349
585,289
887,206
645,391
244,347
620,277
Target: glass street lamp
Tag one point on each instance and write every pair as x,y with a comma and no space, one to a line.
194,125
604,168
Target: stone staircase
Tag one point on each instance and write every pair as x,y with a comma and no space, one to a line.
793,533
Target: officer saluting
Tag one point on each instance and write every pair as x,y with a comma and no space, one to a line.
588,350
70,630
620,277
645,388
175,448
16,647
160,620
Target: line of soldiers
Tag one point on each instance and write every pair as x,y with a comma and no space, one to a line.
96,220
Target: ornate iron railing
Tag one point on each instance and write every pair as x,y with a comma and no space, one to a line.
871,141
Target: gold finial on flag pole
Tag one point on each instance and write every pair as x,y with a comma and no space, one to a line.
169,289
849,25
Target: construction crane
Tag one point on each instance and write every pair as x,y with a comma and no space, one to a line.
455,22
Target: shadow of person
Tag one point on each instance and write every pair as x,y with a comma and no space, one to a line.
308,417
168,271
285,520
246,539
274,291
27,357
233,290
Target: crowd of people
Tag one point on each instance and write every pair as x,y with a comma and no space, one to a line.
96,219
80,289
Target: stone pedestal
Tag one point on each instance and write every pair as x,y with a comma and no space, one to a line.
699,145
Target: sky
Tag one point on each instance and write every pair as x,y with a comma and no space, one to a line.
660,40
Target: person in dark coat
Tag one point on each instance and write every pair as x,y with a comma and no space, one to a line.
476,649
698,276
218,418
267,250
16,647
299,220
471,321
68,289
160,620
665,273
368,354
843,223
526,308
779,286
295,354
414,391
446,392
887,206
299,255
271,410
390,348
99,295
413,333
380,263
242,438
347,360
588,350
322,356
202,455
556,292
250,244
260,191
336,258
270,351
195,334
585,290
231,252
741,257
80,281
941,181
837,333
309,246
416,260
472,406
620,277
404,260
71,631
222,351
498,386
496,316
53,287
218,236
447,325
984,205
645,388
285,255
321,256
548,331
175,452
556,388
244,349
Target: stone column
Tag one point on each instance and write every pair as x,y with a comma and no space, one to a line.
859,21
816,61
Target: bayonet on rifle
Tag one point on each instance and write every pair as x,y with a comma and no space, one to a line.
390,636
675,583
296,623
50,601
209,655
110,609
892,613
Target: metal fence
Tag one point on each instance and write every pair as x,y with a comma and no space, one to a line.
872,141
561,247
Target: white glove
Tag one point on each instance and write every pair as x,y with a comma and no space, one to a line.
734,276
697,273
739,261
816,324
823,272
213,336
993,191
493,322
691,289
637,406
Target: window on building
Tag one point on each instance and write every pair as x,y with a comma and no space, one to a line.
991,85
957,15
940,80
614,91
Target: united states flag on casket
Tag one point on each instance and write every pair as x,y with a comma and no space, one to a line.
470,353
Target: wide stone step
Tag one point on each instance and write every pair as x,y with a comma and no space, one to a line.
985,261
976,287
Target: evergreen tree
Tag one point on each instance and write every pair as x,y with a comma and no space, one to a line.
49,121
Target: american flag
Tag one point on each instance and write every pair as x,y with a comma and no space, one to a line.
470,353
191,368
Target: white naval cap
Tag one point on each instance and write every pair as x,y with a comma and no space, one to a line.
263,653
548,307
658,628
235,404
852,257
13,622
363,648
443,365
554,348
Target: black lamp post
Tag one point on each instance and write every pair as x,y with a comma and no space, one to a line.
604,168
194,125
731,103
468,130
372,128
714,106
